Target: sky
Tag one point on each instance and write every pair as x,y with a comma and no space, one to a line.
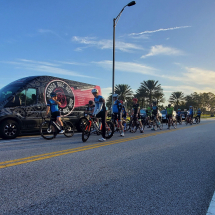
168,41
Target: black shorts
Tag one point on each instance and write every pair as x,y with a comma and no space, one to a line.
136,118
117,116
169,116
54,115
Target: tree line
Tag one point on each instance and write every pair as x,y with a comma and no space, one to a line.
151,90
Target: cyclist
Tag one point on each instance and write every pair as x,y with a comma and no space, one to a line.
100,111
154,112
117,113
149,114
199,114
135,114
52,105
124,114
179,115
90,107
191,112
169,115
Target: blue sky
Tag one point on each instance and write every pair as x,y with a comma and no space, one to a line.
169,41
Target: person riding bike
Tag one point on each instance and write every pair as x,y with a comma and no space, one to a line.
179,119
100,111
199,114
124,114
135,114
149,114
117,113
169,114
52,105
190,111
154,112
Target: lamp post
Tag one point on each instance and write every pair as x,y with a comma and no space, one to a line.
115,20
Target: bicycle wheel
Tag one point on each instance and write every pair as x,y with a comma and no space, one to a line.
86,132
109,130
155,127
69,129
82,123
197,120
160,125
127,127
46,131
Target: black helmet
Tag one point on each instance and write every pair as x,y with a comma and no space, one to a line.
53,94
90,102
169,105
154,103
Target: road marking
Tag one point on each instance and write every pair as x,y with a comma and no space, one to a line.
79,149
211,208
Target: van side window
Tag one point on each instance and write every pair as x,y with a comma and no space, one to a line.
31,97
21,97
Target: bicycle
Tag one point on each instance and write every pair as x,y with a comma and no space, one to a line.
134,126
173,123
156,123
179,120
188,120
49,128
196,120
91,124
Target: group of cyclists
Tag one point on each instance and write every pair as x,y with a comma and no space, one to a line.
97,109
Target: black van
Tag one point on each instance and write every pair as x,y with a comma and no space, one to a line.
23,103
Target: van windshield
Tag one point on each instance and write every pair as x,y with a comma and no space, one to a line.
8,91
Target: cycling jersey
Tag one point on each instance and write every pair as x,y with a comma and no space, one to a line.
117,107
154,110
170,110
191,111
179,113
98,100
199,112
53,105
90,108
123,111
135,108
148,111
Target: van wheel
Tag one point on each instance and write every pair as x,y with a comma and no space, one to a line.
9,129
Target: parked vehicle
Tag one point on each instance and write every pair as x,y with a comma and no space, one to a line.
164,115
23,103
183,114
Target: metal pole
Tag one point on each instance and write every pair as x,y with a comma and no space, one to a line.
114,25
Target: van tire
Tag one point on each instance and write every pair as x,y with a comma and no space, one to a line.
9,129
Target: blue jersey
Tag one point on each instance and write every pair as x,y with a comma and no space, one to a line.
123,111
117,107
199,112
98,100
179,113
191,111
53,105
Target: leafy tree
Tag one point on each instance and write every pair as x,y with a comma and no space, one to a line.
176,98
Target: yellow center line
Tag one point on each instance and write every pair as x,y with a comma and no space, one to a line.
79,149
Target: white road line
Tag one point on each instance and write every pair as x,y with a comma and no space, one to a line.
211,209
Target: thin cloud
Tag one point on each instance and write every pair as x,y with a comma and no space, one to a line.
105,44
128,67
45,67
47,31
161,29
162,50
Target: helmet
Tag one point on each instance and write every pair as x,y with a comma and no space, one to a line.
199,109
121,101
115,95
191,106
154,103
94,91
135,99
53,94
169,105
179,109
90,102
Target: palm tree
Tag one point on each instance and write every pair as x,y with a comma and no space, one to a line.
150,88
176,98
124,91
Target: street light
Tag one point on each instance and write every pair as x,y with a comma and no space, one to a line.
115,21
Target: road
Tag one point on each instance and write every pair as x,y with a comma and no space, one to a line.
158,172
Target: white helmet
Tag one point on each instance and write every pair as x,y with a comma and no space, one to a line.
94,91
115,95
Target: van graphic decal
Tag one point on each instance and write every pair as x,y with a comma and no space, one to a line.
64,93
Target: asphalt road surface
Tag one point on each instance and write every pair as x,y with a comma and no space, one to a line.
168,172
